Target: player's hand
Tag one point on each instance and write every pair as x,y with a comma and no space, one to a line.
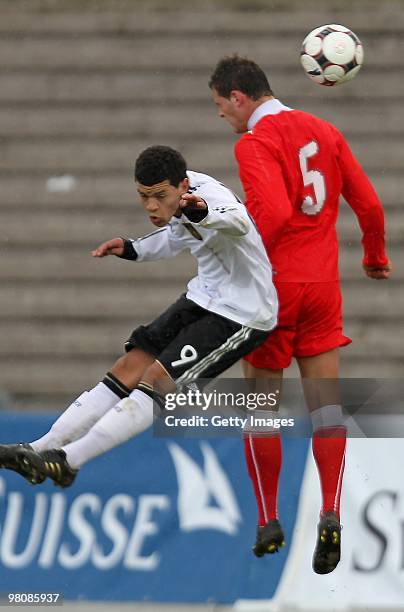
192,201
111,247
379,273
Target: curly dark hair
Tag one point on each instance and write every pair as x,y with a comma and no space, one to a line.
159,163
235,72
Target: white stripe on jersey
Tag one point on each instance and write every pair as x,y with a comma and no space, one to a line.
231,343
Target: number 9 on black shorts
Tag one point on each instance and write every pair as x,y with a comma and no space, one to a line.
191,342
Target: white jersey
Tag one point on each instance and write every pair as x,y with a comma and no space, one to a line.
234,277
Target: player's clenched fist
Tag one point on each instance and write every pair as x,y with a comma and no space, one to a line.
190,200
111,247
379,273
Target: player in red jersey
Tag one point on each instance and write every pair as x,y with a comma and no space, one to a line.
294,167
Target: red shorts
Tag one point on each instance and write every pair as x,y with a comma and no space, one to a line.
309,323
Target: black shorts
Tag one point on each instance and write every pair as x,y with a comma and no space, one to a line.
191,342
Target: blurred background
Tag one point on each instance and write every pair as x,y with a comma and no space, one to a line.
85,85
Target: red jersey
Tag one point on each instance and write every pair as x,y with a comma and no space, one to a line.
294,167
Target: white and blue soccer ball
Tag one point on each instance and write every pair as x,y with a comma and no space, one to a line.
331,55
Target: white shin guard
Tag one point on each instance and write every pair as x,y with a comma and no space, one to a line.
78,418
127,419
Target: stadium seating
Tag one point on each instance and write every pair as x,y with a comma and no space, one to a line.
82,91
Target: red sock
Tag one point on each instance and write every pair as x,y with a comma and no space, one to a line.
329,452
264,460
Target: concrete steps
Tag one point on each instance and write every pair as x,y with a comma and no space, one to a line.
43,339
65,227
73,358
69,262
98,192
118,156
69,299
45,88
201,20
100,51
126,119
83,91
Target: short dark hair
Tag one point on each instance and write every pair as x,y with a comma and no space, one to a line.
160,163
235,72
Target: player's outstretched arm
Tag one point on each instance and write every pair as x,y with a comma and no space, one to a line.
364,201
110,247
223,214
152,247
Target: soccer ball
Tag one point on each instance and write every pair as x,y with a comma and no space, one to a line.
331,55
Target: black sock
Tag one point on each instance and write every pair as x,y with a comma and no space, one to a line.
116,386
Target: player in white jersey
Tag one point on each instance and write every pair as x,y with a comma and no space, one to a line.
229,309
231,260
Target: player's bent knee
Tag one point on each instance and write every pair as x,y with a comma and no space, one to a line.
130,367
157,377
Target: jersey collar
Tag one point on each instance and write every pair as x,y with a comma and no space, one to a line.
270,107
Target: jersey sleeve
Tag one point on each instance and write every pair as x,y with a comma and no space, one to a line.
225,213
362,198
160,244
261,176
